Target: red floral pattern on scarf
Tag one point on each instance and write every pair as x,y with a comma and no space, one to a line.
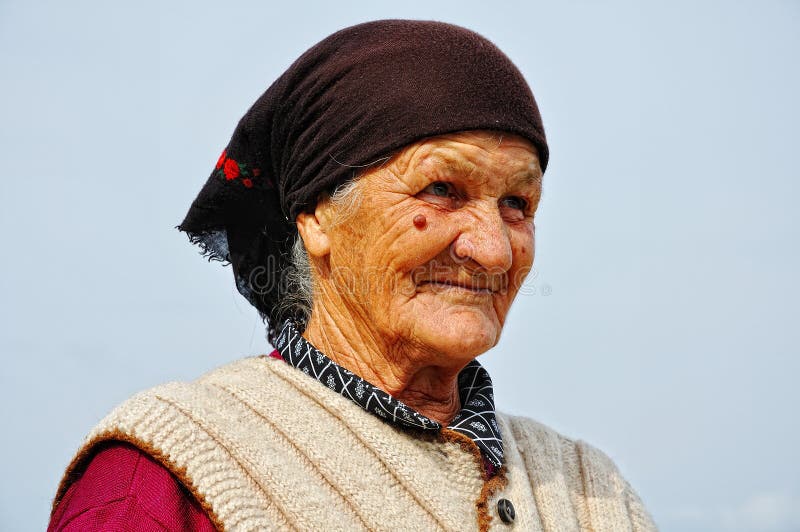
231,169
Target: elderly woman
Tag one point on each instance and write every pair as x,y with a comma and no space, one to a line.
377,207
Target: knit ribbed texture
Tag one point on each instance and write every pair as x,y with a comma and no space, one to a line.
264,447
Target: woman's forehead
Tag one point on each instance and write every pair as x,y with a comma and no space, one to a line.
473,153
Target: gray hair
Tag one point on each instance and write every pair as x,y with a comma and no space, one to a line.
299,296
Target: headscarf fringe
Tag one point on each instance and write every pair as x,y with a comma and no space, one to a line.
213,244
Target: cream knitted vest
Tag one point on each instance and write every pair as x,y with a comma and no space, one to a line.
263,447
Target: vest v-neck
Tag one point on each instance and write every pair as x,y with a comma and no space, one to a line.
476,419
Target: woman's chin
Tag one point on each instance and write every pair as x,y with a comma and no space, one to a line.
460,332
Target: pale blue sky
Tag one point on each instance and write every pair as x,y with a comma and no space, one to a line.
667,237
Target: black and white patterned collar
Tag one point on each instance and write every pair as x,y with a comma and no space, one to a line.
476,419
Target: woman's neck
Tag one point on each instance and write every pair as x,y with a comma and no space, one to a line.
400,370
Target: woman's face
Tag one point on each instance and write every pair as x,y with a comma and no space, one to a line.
439,245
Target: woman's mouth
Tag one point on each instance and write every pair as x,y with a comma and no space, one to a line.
441,285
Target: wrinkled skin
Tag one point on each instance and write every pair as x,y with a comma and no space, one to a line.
406,306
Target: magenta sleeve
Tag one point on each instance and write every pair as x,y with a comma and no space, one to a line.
123,488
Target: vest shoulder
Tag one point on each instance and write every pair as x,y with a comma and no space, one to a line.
554,459
540,439
173,422
174,393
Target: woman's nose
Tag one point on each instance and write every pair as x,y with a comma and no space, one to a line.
485,240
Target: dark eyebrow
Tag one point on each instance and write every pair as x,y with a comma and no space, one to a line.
531,178
456,165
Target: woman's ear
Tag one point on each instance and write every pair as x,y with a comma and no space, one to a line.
312,228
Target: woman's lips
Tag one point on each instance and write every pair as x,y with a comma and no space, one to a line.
456,285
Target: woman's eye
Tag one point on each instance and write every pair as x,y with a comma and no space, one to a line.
439,188
515,202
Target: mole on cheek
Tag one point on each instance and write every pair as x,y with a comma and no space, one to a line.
420,221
